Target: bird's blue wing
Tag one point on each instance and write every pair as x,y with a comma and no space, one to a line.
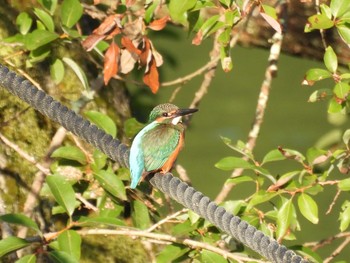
136,157
158,145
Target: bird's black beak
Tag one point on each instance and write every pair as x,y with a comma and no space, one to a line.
183,112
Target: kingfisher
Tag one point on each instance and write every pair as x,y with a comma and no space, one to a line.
156,146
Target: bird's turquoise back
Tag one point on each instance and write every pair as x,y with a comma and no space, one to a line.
136,158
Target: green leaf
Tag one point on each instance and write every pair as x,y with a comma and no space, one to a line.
260,197
45,18
230,163
39,54
20,219
140,215
284,218
102,121
211,257
70,242
344,184
132,127
346,137
233,206
49,5
101,220
308,208
320,94
194,217
308,253
330,59
316,74
344,216
210,25
344,32
111,183
62,191
239,180
39,38
27,259
24,23
178,9
70,153
341,90
100,160
171,252
62,257
10,244
78,71
319,21
57,70
272,156
334,106
71,11
339,7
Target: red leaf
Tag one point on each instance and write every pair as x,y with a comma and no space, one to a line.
197,40
91,41
151,77
111,62
127,43
158,24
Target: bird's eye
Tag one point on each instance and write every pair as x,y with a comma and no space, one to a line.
165,114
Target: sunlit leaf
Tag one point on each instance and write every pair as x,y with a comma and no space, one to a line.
111,183
231,162
260,197
344,216
57,70
284,218
341,90
319,21
330,59
316,74
102,121
20,219
70,242
308,208
24,22
346,136
45,18
339,7
239,179
12,243
178,9
320,94
70,153
39,38
71,11
344,32
62,191
334,106
344,184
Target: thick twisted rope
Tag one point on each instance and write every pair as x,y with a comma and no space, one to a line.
172,186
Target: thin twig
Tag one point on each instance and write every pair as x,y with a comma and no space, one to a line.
182,173
87,204
184,241
165,220
333,202
319,244
338,250
323,37
270,73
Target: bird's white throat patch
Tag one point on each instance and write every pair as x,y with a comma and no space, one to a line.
176,120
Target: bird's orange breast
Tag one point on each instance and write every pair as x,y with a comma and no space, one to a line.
172,158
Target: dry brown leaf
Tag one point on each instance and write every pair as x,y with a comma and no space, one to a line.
156,55
108,25
146,55
127,61
111,62
127,43
91,41
158,24
151,77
